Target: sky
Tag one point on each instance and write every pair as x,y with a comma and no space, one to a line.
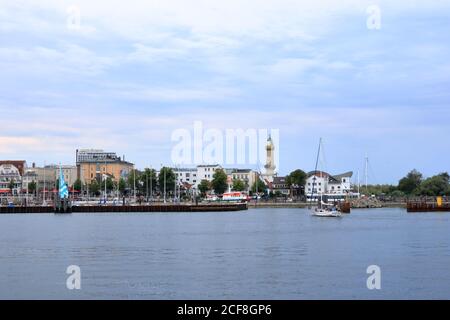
124,75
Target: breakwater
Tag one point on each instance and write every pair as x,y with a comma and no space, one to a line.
129,208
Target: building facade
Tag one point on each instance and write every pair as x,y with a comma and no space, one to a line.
333,187
186,175
93,164
47,176
11,173
247,176
280,186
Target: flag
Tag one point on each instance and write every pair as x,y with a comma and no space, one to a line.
63,190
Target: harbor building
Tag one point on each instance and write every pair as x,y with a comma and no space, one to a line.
186,175
45,177
11,173
206,172
247,176
194,176
279,185
93,164
334,187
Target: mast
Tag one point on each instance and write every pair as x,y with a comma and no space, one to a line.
44,197
359,186
315,168
151,184
366,171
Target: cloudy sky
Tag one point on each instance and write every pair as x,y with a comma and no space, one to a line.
131,72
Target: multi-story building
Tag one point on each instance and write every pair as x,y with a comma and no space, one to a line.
186,175
194,176
334,187
206,172
11,173
280,185
46,177
247,176
93,164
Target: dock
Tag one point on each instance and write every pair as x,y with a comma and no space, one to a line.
414,206
129,208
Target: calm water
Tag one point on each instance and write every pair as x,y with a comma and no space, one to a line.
259,254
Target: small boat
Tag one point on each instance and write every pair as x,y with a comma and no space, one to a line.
323,209
236,196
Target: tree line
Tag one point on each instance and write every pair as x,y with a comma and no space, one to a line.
414,184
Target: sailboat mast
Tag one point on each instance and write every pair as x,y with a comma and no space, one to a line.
315,168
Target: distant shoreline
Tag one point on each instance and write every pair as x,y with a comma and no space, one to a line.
305,205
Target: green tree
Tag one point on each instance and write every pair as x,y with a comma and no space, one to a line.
110,184
122,185
94,187
381,189
411,182
219,182
238,185
32,187
435,186
204,187
148,179
259,186
297,177
296,181
133,179
77,185
170,179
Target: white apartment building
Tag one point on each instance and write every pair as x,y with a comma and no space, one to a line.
206,172
194,176
186,175
334,187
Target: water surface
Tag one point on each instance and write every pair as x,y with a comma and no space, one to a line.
259,254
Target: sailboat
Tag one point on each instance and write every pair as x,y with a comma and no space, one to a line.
323,209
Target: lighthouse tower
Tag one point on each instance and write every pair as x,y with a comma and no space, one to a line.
270,161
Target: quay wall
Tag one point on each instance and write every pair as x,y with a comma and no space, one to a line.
140,208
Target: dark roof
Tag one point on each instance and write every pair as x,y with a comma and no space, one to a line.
343,175
318,173
19,164
336,178
279,180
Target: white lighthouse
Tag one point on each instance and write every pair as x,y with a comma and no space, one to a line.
269,167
